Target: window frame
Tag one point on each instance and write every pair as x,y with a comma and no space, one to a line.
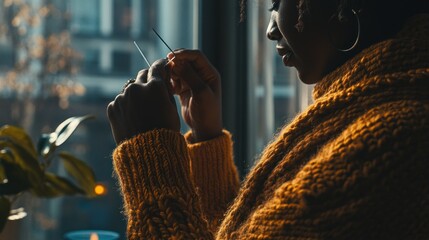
227,43
223,41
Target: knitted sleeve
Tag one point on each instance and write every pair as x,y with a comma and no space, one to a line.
370,182
159,197
214,174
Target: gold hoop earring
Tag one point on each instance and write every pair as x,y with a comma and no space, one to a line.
355,43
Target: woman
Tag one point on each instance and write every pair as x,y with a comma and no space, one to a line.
354,165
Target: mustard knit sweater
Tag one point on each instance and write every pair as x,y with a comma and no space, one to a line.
354,165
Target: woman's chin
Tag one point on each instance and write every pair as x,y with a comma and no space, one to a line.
308,78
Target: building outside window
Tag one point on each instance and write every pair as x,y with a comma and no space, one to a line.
121,62
85,18
122,18
91,61
103,31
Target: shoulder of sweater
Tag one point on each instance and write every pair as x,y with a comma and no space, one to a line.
399,112
391,121
389,132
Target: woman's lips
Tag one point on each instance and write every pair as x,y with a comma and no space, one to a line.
287,56
287,59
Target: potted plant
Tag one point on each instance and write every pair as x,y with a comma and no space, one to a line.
25,168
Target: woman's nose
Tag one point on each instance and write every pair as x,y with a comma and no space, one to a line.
273,32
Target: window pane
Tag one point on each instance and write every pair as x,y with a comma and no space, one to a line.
122,17
91,61
121,62
85,17
89,45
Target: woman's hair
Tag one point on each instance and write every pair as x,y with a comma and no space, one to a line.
385,9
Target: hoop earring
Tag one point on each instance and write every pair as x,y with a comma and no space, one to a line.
357,37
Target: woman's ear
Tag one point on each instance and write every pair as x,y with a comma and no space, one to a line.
344,31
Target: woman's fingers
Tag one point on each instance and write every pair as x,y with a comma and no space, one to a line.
157,70
201,69
196,57
179,86
159,74
171,55
145,104
160,70
197,83
142,76
189,77
114,114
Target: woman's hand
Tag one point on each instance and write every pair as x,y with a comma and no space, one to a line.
144,105
198,85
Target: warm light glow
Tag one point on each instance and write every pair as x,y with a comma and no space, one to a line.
100,189
94,236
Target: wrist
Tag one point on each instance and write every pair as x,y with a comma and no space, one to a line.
201,136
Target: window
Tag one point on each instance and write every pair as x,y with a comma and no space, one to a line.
122,19
91,61
121,62
85,17
102,32
276,94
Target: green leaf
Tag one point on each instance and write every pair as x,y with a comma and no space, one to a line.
6,155
17,214
20,137
3,176
16,179
46,144
81,172
66,128
46,191
4,212
24,159
49,141
62,185
56,186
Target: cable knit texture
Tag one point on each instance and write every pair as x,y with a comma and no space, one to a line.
354,165
215,176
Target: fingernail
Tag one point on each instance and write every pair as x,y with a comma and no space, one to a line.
170,55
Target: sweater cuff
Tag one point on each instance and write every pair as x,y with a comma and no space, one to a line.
213,170
151,164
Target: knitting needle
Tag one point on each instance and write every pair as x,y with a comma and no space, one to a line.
165,45
141,53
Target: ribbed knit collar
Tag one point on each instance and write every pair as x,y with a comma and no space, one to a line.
408,50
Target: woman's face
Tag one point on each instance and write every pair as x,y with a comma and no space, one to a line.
309,51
